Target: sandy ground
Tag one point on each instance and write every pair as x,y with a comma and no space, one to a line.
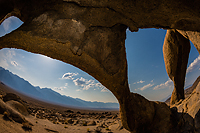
48,118
45,126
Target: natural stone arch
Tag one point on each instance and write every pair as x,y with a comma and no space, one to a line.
90,35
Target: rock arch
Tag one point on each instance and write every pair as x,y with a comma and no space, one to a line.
91,35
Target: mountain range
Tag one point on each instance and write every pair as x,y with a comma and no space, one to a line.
47,94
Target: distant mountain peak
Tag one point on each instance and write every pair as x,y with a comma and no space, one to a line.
1,68
47,94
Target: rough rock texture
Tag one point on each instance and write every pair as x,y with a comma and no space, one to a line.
11,112
189,110
176,50
11,96
22,109
91,36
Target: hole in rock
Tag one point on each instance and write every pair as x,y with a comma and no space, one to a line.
10,24
146,69
50,80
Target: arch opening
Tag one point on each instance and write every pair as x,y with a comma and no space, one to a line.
10,24
146,68
139,50
37,69
59,82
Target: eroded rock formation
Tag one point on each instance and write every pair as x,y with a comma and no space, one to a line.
13,108
91,36
176,50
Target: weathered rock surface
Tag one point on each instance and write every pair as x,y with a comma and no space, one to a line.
13,108
91,36
189,109
22,109
176,50
12,96
11,112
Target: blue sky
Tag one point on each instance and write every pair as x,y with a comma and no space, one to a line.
146,69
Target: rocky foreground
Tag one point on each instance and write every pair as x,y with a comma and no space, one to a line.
19,115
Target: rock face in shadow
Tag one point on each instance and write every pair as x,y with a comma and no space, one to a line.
190,109
11,96
91,36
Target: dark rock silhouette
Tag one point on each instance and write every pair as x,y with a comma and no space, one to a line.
11,96
91,35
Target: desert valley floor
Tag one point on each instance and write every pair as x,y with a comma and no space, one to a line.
45,117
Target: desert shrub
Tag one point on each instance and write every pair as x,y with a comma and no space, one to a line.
88,130
6,116
78,112
98,130
26,126
55,122
69,111
84,123
107,128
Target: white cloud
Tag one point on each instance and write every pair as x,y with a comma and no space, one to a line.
139,82
87,84
14,63
146,86
69,75
7,24
8,57
104,90
167,84
79,82
128,30
194,65
152,80
129,85
4,63
84,83
60,88
10,53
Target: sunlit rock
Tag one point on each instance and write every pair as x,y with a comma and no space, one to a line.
91,36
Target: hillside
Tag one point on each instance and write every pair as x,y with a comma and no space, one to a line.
188,91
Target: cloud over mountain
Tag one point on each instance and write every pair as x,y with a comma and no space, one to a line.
8,58
104,90
69,75
168,84
194,65
83,83
47,94
87,84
